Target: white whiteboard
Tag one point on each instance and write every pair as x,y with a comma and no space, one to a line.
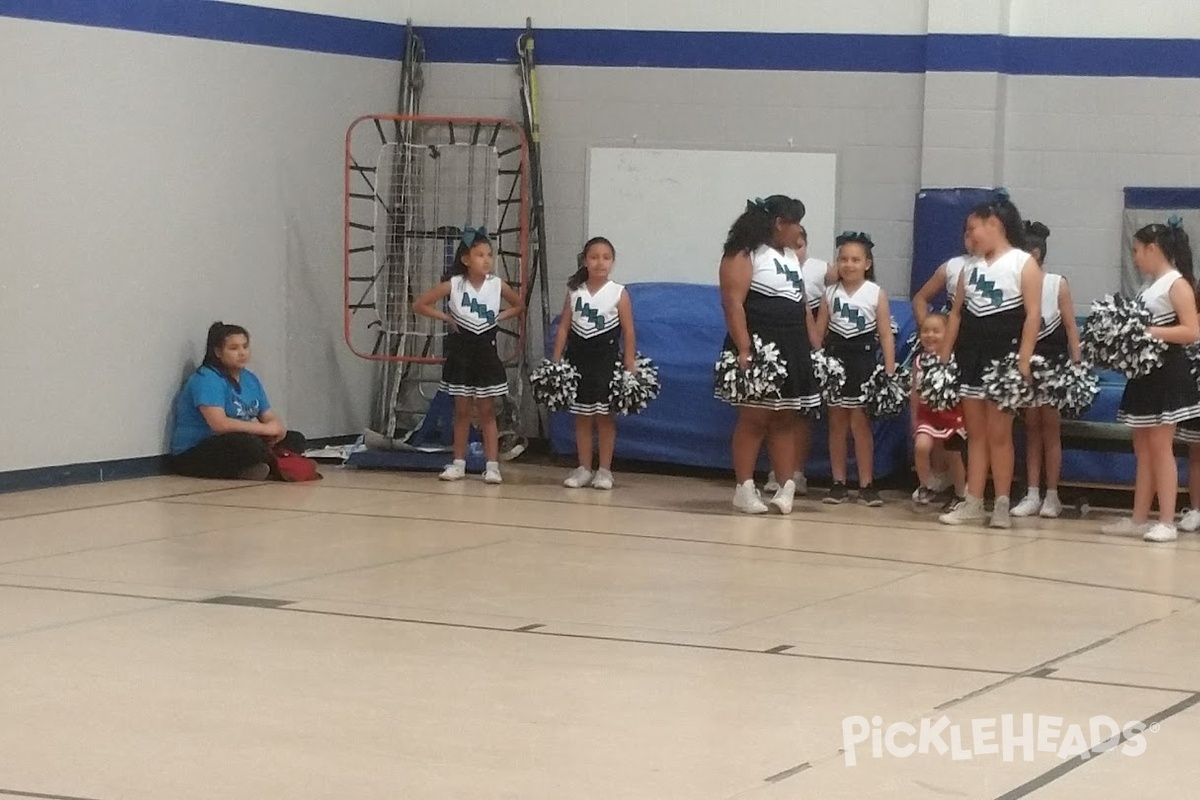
668,212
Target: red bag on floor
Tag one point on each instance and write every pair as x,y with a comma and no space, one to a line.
293,467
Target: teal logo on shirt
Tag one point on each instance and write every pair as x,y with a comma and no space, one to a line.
589,314
473,306
793,277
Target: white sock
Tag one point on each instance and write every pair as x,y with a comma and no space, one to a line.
493,465
1035,494
1051,495
460,462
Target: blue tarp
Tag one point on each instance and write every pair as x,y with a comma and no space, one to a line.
681,327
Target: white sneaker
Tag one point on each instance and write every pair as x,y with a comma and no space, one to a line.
1161,532
918,493
782,501
1124,527
603,480
1000,514
1052,508
771,485
801,483
491,474
454,471
1031,504
747,500
1191,520
967,512
581,477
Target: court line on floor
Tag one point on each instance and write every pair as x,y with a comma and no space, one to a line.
1072,764
957,566
1031,671
40,795
540,629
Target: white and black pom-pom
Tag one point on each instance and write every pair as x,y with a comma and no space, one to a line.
1115,337
630,392
939,382
554,384
1192,351
1070,387
887,394
761,380
830,373
1004,385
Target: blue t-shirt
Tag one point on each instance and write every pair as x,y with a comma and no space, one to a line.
207,387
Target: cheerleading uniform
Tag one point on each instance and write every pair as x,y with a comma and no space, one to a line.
993,314
473,367
777,313
1052,336
593,346
1168,395
940,425
954,268
814,272
852,338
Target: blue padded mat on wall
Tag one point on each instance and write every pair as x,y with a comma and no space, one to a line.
938,217
681,327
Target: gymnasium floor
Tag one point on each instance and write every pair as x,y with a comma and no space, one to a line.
388,636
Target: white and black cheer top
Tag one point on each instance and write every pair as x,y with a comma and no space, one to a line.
595,314
776,274
474,310
1168,395
813,272
472,367
593,345
993,316
852,338
853,315
954,268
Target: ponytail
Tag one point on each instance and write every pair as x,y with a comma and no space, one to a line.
1175,244
1003,209
1036,235
581,274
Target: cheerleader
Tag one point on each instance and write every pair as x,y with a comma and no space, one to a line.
855,324
601,326
817,275
762,294
943,279
1057,342
1153,405
472,373
933,429
996,312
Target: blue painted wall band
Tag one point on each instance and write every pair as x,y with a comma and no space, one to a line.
832,52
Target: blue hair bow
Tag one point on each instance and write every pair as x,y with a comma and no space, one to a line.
472,235
1175,222
1002,195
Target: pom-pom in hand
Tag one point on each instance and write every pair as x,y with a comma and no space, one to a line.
630,391
1116,336
761,378
554,384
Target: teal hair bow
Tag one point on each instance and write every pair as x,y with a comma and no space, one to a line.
472,235
1175,222
1002,195
861,237
758,204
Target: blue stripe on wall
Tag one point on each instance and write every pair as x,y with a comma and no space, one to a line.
204,19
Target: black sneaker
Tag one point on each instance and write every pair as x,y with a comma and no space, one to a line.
952,503
869,496
838,494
